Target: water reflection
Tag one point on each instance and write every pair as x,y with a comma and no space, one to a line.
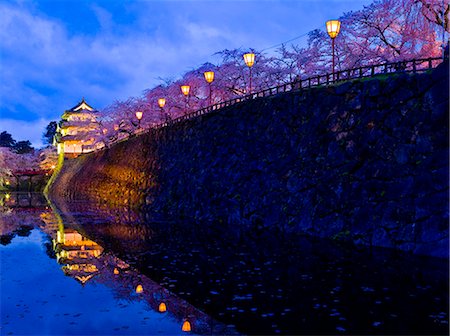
18,214
77,254
265,282
256,279
84,260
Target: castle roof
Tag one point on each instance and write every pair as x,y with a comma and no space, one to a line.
82,105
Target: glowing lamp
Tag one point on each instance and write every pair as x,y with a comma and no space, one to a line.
333,28
139,289
185,89
7,196
139,115
161,102
116,271
53,167
249,59
209,76
162,308
186,326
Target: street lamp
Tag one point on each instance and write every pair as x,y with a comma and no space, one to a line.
333,28
209,77
249,60
185,89
139,117
161,103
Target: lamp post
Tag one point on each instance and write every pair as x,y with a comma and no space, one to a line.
443,29
333,28
209,77
185,90
161,103
249,60
139,117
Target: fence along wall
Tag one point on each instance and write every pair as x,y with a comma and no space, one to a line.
408,66
364,161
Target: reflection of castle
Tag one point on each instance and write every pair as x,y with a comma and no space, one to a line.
83,260
78,254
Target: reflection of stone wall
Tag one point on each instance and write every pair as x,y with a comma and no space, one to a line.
24,184
365,161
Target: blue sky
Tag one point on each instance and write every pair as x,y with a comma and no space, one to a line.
54,52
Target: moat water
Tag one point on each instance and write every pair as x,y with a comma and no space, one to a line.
78,269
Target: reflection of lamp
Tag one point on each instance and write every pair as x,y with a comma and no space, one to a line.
333,28
186,326
249,60
209,77
139,289
139,117
162,308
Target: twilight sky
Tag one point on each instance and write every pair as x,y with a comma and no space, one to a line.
54,52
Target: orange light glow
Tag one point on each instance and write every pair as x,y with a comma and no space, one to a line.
161,102
139,115
186,326
209,76
139,289
116,271
185,89
249,59
162,307
333,28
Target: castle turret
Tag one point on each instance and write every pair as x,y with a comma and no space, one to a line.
77,130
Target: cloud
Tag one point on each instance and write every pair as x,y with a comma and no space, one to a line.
106,51
45,64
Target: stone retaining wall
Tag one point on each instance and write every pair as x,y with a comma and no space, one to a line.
365,161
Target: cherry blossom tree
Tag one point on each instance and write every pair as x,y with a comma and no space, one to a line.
48,158
11,162
435,11
384,31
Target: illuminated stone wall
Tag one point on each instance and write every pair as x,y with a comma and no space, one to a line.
365,161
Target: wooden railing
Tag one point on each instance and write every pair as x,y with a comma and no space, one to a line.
417,65
410,66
